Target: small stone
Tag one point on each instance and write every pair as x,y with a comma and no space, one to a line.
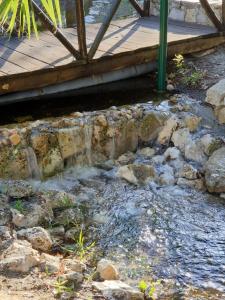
107,270
74,265
172,153
72,277
38,237
170,87
147,152
115,289
167,131
188,172
126,158
137,173
181,138
18,189
15,139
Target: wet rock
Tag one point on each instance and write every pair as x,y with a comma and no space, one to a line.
170,87
38,237
147,152
115,289
197,184
194,151
216,97
126,158
192,122
215,171
5,216
166,176
137,173
151,125
158,159
18,189
167,131
106,270
210,144
50,263
188,172
19,257
172,153
181,138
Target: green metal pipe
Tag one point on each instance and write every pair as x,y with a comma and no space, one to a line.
162,55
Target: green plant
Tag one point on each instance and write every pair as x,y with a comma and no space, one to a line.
149,288
60,287
80,248
18,205
21,13
66,202
142,286
179,61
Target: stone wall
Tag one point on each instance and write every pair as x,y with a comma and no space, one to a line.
41,149
188,10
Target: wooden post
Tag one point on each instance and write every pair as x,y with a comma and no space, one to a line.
211,15
103,28
223,13
81,31
147,8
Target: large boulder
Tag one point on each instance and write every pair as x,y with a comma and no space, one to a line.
215,171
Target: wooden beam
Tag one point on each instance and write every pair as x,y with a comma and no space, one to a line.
76,70
223,13
146,9
211,15
103,28
81,32
54,30
137,6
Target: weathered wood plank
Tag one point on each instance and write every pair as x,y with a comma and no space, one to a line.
73,71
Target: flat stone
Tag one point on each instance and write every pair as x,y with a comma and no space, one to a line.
115,289
50,263
216,94
137,173
18,189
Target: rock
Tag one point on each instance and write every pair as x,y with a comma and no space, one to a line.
15,139
216,97
147,152
167,175
101,120
216,94
106,270
210,144
74,265
197,184
33,215
19,257
170,87
69,216
6,237
220,114
158,159
126,158
72,277
194,151
215,171
222,196
188,172
18,189
58,231
167,131
137,173
50,263
181,138
115,289
192,122
38,237
151,125
172,153
71,233
5,216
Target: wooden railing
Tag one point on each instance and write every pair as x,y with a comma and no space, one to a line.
82,53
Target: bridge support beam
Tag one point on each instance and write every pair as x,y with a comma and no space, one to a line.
162,55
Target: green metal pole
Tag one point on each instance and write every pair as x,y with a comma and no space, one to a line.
162,56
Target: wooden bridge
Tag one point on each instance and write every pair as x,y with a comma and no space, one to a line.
91,54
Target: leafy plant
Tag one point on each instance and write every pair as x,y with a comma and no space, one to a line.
18,205
66,202
80,248
21,13
149,288
142,286
187,74
60,287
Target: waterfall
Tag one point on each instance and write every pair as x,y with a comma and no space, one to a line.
88,131
33,167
